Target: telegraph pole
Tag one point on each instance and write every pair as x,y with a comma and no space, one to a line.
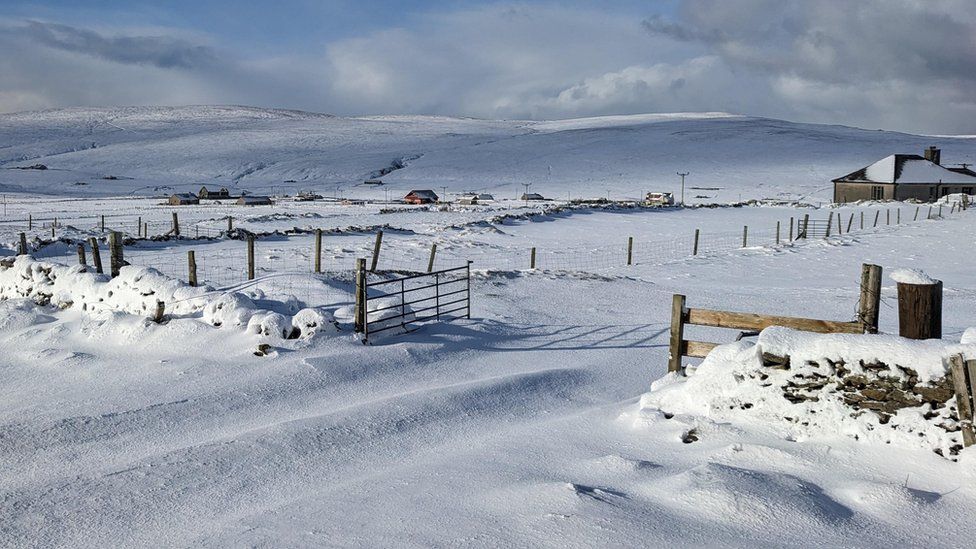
525,195
683,186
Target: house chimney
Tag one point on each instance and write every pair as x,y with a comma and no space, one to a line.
933,154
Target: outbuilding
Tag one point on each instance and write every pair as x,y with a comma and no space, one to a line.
205,194
254,200
421,196
532,196
905,177
183,199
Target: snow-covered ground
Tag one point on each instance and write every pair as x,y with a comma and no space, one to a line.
523,426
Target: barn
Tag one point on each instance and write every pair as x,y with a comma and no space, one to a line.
183,199
905,177
254,200
222,194
421,196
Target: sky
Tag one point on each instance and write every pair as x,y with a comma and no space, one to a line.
907,65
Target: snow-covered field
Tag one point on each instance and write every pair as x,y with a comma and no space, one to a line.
523,426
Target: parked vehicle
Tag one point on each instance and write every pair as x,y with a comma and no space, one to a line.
659,199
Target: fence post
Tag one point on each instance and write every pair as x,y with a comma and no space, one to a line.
191,259
81,254
850,222
139,227
160,310
869,304
376,251
359,316
830,221
22,250
145,229
96,256
929,215
30,222
898,216
532,259
964,404
806,225
176,224
745,235
920,310
777,233
115,251
887,216
52,230
630,250
916,213
694,249
940,211
468,293
877,215
250,257
318,251
862,220
433,253
677,332
791,229
230,223
103,222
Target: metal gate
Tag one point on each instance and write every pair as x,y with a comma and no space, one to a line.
408,301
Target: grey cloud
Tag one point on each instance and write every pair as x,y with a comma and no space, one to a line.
160,51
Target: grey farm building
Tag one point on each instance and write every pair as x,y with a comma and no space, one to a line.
904,177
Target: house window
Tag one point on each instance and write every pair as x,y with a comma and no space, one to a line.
877,192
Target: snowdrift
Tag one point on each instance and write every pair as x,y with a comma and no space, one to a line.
876,388
137,290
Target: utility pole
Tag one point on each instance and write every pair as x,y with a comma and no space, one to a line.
444,194
525,195
683,186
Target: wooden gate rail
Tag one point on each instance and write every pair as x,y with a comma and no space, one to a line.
682,316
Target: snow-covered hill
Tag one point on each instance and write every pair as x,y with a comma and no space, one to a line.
153,150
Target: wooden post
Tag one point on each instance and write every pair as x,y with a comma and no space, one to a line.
81,254
22,249
898,216
250,257
115,251
862,220
745,235
791,229
929,215
920,310
806,224
139,227
191,259
145,229
160,311
869,304
433,253
940,211
850,222
376,251
176,224
964,392
677,332
777,233
103,222
96,256
30,222
694,249
230,223
877,216
830,221
916,213
318,250
359,315
52,231
630,250
887,216
532,259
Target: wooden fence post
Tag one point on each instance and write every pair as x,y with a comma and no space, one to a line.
630,250
160,311
359,316
103,222
777,233
318,251
964,395
52,232
145,229
920,310
806,224
250,257
898,216
532,259
862,220
877,216
916,213
869,304
694,249
433,253
791,229
230,223
376,251
940,211
830,221
96,256
677,332
745,235
81,254
850,222
176,224
191,259
22,249
887,216
139,227
115,252
30,222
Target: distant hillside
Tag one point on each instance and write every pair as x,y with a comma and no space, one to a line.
155,150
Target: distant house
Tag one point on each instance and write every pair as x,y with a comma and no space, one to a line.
532,196
254,200
468,199
205,194
904,177
485,197
421,196
183,199
307,196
